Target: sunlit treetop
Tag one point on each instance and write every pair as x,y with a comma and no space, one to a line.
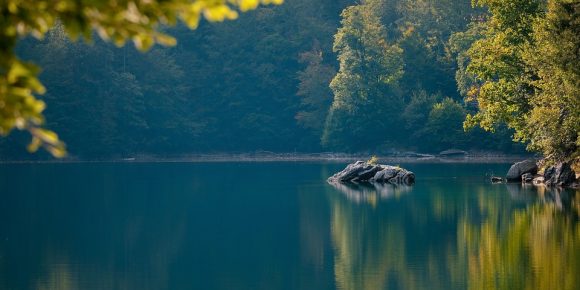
118,21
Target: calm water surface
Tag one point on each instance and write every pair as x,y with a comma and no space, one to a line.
279,226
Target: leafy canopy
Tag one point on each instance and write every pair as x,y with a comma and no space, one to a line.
119,21
527,76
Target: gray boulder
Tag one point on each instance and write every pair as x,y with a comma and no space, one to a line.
559,175
361,171
358,171
518,169
385,174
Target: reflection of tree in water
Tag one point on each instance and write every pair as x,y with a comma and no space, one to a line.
476,237
537,248
59,278
377,246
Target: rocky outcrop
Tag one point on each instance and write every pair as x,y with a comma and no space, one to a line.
361,171
518,169
559,175
358,171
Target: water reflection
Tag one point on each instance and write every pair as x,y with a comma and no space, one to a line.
370,192
144,227
387,247
537,247
59,278
231,226
455,235
562,199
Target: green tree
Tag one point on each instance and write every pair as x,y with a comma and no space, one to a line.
416,114
366,98
553,123
117,21
443,128
417,110
525,67
497,63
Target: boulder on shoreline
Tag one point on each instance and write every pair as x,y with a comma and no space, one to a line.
559,175
520,168
361,171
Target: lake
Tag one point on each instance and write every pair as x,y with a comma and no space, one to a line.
280,226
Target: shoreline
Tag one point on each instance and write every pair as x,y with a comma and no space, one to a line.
287,157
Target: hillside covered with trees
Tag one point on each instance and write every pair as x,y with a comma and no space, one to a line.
325,75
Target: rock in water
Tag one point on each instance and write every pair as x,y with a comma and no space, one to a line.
358,171
386,174
517,170
361,171
559,175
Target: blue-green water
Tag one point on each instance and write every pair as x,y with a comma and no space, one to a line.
279,226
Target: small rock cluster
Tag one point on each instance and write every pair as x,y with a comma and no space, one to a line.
559,175
361,171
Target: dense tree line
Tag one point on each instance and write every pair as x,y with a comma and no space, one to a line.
396,85
304,76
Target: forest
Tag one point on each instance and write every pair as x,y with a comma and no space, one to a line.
375,76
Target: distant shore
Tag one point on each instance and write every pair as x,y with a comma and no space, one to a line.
408,157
